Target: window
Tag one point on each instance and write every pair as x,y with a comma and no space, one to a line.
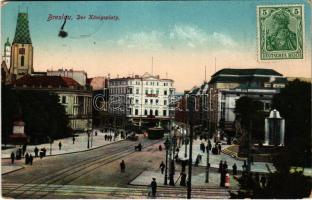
22,60
130,90
152,91
157,101
157,91
165,102
165,92
145,112
146,101
156,112
136,111
137,101
151,101
146,91
63,99
137,91
164,112
151,112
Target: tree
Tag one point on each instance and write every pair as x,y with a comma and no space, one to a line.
41,112
294,104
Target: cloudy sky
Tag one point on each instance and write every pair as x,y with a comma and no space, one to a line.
182,37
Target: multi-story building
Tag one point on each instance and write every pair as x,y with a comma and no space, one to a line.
142,100
79,76
228,85
76,99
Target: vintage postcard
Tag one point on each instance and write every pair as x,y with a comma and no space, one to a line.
156,99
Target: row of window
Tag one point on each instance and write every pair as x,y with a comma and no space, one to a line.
116,83
123,90
150,112
151,101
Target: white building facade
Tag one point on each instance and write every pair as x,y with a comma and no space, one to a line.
139,98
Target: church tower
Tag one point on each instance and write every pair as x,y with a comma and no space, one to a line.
22,49
7,53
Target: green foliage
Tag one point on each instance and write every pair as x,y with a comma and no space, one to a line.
294,104
41,112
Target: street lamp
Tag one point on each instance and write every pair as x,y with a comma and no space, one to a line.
167,146
172,170
208,147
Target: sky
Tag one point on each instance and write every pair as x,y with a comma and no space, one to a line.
182,37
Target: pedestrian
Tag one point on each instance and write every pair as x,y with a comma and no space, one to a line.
183,179
12,158
209,145
26,159
160,147
24,149
30,159
183,165
219,148
263,181
60,145
234,167
36,151
154,187
122,166
105,137
20,153
225,166
74,139
220,166
44,150
95,133
202,147
162,167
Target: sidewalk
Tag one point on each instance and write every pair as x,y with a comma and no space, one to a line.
215,159
81,143
198,179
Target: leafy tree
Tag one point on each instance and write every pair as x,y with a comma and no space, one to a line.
41,111
294,104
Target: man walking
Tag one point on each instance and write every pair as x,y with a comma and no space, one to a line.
60,145
122,166
30,159
154,187
162,167
234,167
12,157
36,151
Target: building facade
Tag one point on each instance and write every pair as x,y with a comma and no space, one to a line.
7,53
141,99
76,99
228,85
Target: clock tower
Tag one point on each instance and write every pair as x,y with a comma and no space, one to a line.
22,49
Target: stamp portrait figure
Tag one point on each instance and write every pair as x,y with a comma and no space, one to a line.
281,37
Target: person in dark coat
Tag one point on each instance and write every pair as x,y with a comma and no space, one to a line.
36,151
225,166
154,187
26,159
74,139
31,159
44,150
24,149
122,166
234,167
12,158
160,148
219,148
220,166
20,153
105,137
162,167
60,145
183,179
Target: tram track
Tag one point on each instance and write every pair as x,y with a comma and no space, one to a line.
71,173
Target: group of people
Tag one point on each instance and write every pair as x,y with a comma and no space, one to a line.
108,137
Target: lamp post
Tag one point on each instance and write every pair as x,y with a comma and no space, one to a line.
172,167
208,164
167,146
191,106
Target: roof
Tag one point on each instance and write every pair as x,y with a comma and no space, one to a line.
250,71
45,81
22,34
7,43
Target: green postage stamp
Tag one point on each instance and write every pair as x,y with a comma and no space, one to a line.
280,32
